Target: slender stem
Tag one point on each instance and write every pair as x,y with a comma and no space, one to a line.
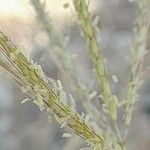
120,140
95,55
138,50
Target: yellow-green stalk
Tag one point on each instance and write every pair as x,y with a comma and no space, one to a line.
45,94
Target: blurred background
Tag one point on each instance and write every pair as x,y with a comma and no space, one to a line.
23,126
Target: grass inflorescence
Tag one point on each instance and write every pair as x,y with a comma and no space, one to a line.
49,95
34,83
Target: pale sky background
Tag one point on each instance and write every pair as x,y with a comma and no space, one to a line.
19,7
22,8
14,7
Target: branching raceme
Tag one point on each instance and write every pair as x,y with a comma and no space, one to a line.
44,92
99,66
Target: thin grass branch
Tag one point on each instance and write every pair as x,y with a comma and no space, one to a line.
138,50
96,56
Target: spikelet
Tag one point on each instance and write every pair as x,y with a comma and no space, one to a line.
67,135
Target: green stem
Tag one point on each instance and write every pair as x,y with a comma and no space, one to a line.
95,55
120,140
